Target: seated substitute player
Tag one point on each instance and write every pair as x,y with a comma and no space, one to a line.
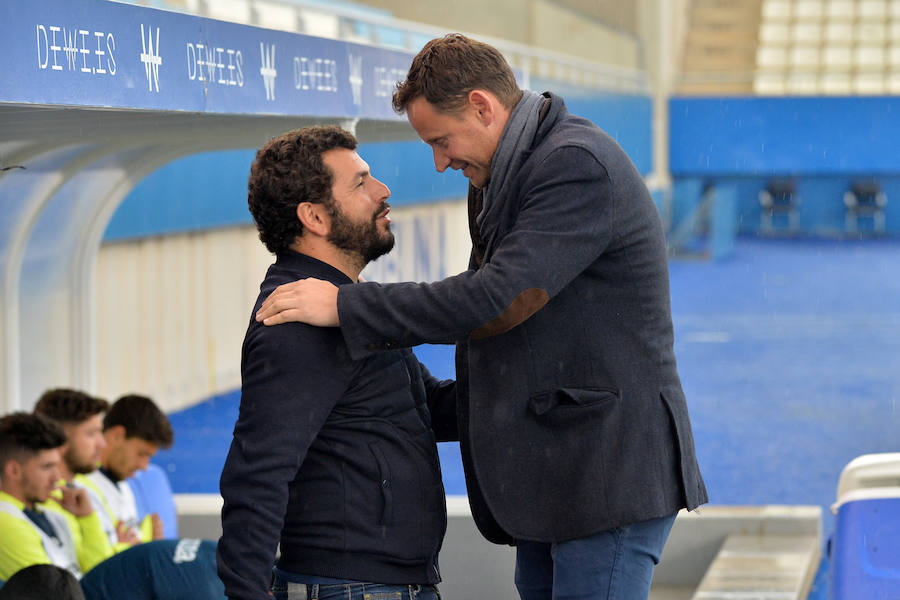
134,428
31,530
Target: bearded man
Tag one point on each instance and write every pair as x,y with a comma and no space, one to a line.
334,458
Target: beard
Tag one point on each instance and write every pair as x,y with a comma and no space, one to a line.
361,240
77,464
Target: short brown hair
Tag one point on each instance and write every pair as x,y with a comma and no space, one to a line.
23,435
449,67
67,406
141,419
289,170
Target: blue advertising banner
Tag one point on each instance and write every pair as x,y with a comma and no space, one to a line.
106,54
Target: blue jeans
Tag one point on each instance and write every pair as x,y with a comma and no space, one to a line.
616,564
285,590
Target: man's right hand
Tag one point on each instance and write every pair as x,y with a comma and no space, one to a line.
76,501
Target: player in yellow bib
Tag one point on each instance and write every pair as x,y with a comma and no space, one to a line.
35,529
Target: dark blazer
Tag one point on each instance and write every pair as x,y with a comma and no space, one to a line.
571,413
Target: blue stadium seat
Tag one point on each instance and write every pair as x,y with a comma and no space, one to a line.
779,203
865,200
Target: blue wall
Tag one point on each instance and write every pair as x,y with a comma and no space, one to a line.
765,136
823,143
210,190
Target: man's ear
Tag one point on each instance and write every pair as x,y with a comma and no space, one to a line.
12,470
483,105
314,217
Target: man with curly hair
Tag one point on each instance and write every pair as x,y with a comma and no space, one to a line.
334,458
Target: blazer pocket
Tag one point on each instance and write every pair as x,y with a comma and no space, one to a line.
567,399
384,483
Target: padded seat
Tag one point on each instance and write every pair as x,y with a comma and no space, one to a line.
836,84
768,84
779,203
865,200
776,10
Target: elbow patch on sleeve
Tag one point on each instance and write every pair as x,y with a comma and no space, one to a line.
523,306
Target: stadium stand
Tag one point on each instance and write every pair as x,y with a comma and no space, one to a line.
792,47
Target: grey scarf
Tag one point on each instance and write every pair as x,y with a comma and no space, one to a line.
512,151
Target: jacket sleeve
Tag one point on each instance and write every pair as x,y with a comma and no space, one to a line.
290,383
564,223
20,546
440,395
93,547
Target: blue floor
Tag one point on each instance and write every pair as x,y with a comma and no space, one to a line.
789,354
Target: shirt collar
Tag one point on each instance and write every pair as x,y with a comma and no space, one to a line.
109,475
313,267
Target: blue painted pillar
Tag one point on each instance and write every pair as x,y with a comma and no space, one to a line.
686,197
723,221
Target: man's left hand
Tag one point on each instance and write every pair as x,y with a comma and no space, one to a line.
312,301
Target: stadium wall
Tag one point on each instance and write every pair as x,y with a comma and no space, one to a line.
823,143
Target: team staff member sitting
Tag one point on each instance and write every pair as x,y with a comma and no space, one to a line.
134,428
81,417
30,456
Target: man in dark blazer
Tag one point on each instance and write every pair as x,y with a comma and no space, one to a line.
574,429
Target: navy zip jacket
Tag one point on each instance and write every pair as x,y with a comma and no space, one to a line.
334,457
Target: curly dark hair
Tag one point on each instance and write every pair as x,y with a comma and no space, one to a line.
446,69
23,435
65,406
289,170
141,419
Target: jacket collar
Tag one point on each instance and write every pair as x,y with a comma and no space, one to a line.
550,116
296,262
